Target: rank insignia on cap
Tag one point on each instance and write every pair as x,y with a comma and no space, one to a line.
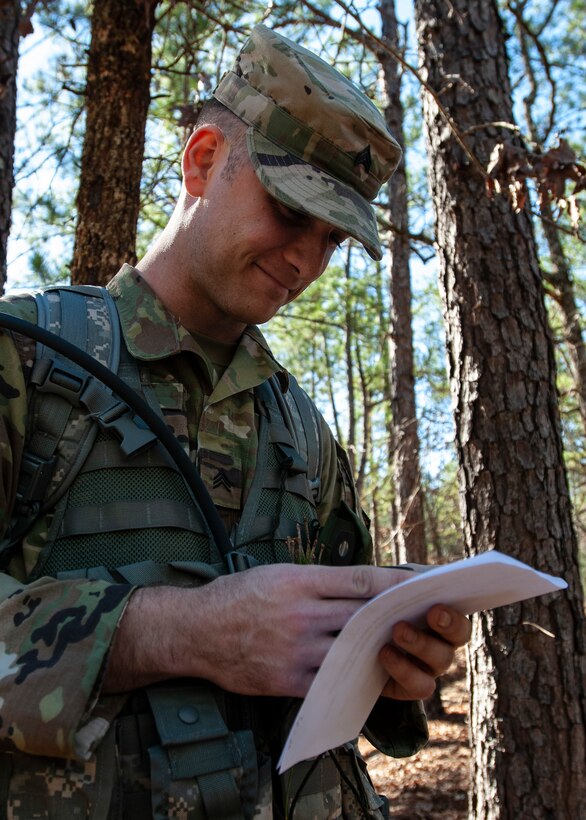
363,158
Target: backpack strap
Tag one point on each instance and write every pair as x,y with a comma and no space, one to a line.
290,427
56,448
301,419
82,323
65,313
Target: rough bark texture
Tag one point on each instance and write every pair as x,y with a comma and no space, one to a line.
527,689
117,101
409,530
9,39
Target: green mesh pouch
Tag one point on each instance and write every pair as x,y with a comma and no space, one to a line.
114,516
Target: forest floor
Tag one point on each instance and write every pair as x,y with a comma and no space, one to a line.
432,785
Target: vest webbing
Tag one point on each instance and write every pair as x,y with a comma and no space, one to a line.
67,448
79,466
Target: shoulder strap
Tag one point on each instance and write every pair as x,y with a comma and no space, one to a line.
58,442
288,427
65,312
300,417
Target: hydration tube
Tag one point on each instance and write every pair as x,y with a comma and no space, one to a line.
136,403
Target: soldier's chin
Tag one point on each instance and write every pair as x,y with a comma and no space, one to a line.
259,317
295,294
266,318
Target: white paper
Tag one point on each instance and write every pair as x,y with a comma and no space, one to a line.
351,678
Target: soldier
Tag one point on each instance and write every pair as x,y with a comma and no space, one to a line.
145,670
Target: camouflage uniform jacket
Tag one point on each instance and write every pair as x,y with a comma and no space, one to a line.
55,635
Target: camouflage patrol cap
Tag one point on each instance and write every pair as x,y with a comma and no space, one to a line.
317,143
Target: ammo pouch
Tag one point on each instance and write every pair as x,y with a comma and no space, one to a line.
193,767
344,538
198,768
177,758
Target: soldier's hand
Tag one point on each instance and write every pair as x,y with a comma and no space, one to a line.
264,631
278,622
416,657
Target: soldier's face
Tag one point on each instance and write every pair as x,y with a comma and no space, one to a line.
251,254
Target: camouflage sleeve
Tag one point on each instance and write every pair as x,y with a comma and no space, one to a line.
54,635
396,728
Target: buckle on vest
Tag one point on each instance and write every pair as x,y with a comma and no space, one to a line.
237,561
289,459
60,380
35,475
119,418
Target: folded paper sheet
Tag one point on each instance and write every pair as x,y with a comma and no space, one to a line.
351,678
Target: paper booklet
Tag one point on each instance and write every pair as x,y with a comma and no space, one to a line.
350,679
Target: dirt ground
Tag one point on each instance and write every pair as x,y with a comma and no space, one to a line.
432,785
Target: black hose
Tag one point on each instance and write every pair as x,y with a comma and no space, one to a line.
198,489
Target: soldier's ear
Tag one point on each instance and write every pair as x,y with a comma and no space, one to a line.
204,151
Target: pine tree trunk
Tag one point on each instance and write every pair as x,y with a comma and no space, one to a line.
366,402
331,386
9,40
410,527
117,101
349,358
528,700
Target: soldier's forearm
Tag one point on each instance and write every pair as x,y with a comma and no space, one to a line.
150,643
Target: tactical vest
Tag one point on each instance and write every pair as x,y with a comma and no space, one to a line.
122,512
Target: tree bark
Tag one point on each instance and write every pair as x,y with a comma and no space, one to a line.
117,101
9,40
409,532
528,700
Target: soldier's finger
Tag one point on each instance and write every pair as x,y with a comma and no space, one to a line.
450,624
356,582
407,680
431,652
